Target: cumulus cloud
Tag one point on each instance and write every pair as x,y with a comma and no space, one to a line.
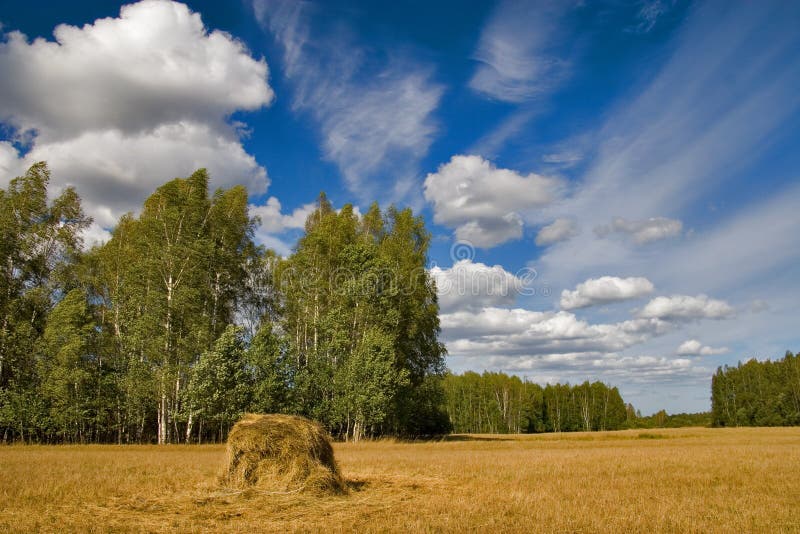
612,368
686,308
472,286
113,171
604,290
693,347
376,122
94,235
10,163
643,231
119,106
559,230
483,202
515,52
520,332
490,232
273,223
154,64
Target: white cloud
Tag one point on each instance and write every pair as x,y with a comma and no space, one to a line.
119,106
487,233
376,122
684,307
612,368
492,142
678,142
682,140
114,172
515,51
604,290
643,231
472,286
692,347
273,221
559,230
11,165
519,332
566,157
154,64
94,235
483,202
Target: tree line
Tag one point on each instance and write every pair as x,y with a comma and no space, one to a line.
492,403
757,393
180,323
496,403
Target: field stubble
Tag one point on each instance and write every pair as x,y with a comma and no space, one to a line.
681,480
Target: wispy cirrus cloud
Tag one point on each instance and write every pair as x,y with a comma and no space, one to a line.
679,137
375,116
643,231
649,13
515,51
680,140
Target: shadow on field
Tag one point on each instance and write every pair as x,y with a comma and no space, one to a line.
356,484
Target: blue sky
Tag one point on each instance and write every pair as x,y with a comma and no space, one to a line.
612,186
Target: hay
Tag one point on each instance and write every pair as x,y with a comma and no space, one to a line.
280,454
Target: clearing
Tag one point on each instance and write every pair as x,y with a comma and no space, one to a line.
679,480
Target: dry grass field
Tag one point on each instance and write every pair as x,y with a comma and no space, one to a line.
682,480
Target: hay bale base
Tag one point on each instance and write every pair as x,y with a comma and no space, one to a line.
280,454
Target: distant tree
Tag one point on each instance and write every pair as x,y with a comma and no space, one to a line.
499,403
755,393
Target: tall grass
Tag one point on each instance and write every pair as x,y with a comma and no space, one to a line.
681,480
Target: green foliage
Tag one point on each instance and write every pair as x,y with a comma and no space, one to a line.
368,382
69,368
219,389
180,323
270,373
361,320
498,403
39,245
662,419
757,393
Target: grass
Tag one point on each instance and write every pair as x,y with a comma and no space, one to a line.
679,480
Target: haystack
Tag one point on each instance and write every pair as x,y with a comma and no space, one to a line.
280,453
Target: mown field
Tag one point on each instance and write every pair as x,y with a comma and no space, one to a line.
681,480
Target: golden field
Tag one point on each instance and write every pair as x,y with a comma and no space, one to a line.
681,480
